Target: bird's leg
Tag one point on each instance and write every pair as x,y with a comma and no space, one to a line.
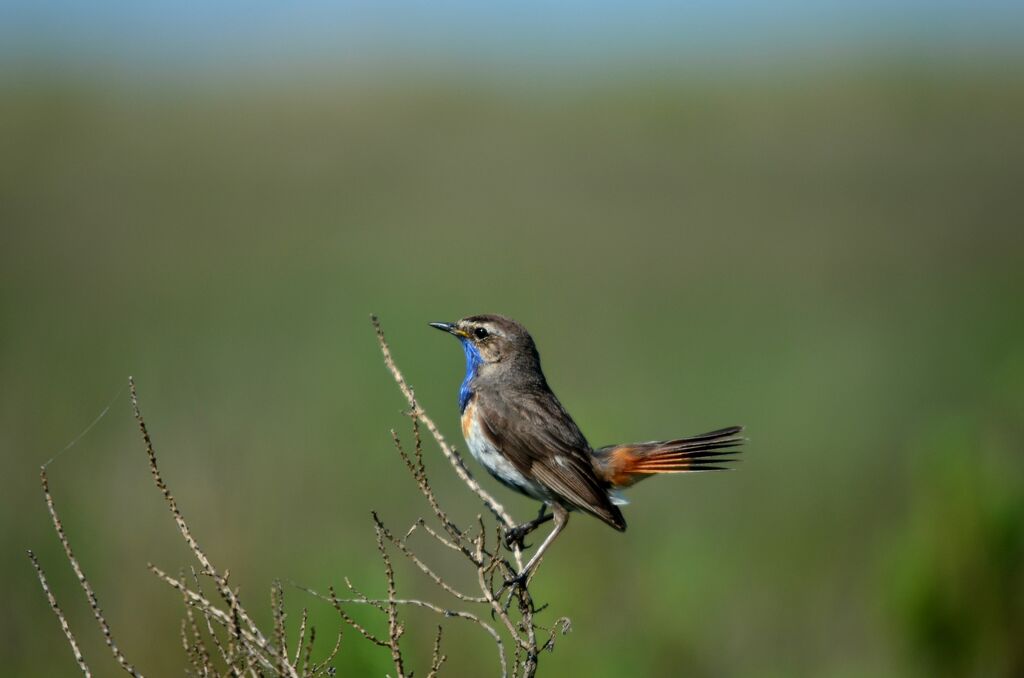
517,534
561,517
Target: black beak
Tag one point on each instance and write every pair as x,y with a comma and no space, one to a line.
446,327
450,328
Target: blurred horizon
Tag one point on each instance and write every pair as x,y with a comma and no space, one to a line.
804,218
232,38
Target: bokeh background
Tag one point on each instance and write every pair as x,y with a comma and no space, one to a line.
803,217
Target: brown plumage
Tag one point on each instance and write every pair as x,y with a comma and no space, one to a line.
536,434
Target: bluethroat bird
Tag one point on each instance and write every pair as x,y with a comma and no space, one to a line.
519,431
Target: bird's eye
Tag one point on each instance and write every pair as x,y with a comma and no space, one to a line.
480,333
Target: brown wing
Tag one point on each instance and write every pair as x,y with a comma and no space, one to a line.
538,436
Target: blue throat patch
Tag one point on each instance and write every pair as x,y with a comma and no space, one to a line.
473,361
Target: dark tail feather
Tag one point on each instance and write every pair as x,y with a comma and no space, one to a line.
624,465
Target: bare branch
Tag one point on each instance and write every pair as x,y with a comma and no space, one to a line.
319,666
207,567
308,654
444,612
247,651
300,641
60,615
196,647
423,567
256,643
419,474
277,612
395,628
94,603
226,655
561,626
334,600
437,659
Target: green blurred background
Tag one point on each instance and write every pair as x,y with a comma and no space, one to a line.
821,240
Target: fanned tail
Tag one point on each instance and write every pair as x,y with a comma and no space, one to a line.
624,465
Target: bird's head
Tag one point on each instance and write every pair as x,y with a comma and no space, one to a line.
492,339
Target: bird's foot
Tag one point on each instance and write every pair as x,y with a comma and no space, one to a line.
516,536
516,581
516,590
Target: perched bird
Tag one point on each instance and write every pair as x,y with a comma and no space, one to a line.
516,427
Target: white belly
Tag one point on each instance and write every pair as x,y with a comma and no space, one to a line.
491,459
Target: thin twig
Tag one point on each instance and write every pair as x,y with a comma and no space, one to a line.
436,659
423,567
277,612
197,645
225,655
337,602
301,640
239,613
172,505
94,603
308,654
419,474
257,644
319,666
444,612
395,628
60,616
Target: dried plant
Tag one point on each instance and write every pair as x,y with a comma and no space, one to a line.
220,638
